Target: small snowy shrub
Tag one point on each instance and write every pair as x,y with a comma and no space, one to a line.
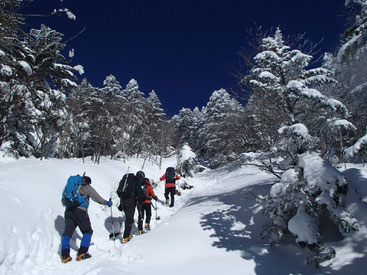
186,162
304,194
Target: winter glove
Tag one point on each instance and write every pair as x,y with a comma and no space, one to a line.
156,198
109,203
120,207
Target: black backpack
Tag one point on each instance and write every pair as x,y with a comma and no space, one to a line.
126,187
170,175
144,188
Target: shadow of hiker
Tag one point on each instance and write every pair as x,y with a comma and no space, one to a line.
119,225
114,226
59,226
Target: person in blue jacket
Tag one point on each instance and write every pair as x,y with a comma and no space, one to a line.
78,216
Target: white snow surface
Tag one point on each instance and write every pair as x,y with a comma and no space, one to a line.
213,228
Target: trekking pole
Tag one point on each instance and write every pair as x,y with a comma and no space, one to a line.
156,212
179,188
113,227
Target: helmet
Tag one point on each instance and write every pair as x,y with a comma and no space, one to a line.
140,175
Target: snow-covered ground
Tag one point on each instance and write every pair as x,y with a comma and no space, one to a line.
213,228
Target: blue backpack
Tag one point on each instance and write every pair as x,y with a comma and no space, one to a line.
71,197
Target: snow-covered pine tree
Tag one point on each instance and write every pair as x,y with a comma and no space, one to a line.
98,119
50,77
183,124
15,121
136,128
350,67
308,197
157,140
76,134
33,78
283,95
188,128
114,104
307,124
222,128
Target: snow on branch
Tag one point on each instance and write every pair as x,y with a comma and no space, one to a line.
69,14
341,124
361,144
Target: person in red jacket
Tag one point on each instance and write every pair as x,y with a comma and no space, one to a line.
170,188
145,206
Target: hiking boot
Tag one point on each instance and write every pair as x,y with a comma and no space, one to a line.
65,260
167,202
140,232
83,256
125,240
147,227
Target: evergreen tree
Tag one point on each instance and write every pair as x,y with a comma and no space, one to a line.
47,72
284,94
113,104
76,134
222,128
136,128
305,125
33,77
350,67
157,142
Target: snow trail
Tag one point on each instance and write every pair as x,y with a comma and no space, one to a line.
214,228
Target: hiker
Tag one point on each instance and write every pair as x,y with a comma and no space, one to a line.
129,192
145,205
77,215
170,187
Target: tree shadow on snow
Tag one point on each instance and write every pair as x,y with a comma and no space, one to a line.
238,227
357,244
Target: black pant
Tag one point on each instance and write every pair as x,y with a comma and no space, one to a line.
144,207
76,217
170,190
129,210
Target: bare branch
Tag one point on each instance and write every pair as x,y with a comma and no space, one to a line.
75,36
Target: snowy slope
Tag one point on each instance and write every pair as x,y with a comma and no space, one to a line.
213,228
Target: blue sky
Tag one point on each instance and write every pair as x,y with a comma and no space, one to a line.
181,49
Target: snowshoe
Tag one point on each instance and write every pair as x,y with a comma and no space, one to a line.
83,256
65,260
